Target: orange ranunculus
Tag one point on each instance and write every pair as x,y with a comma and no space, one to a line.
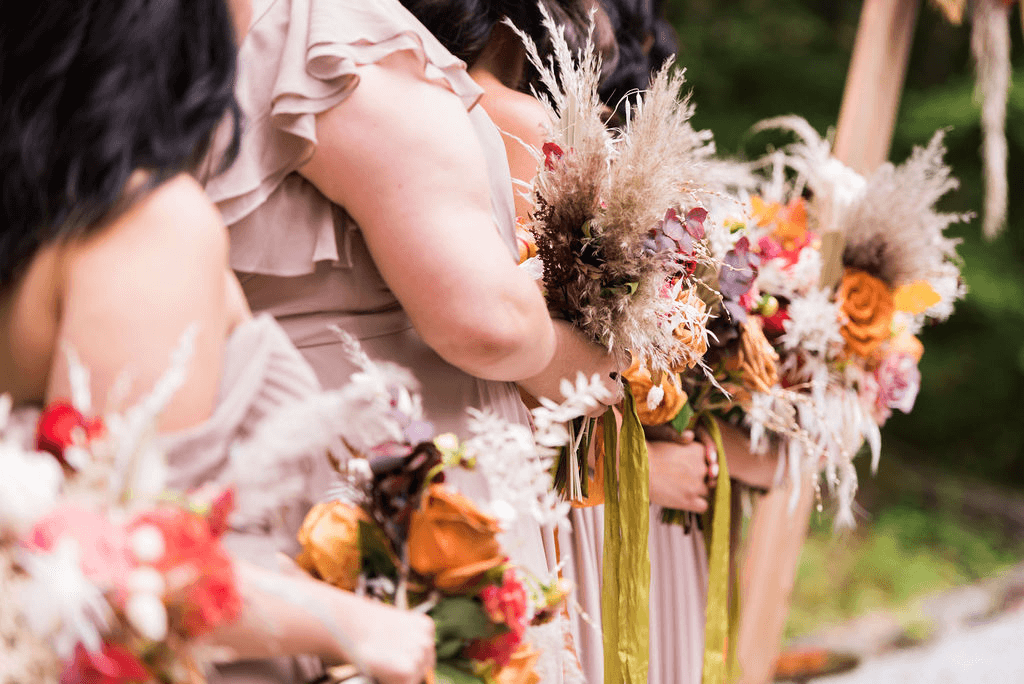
641,383
521,669
868,306
452,542
905,343
330,543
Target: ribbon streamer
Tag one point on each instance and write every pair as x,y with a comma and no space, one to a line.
625,593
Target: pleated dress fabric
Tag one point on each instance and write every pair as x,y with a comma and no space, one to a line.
303,259
262,373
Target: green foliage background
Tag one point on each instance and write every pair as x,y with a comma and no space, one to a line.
751,59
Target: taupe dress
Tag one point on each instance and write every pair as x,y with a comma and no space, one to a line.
262,373
303,259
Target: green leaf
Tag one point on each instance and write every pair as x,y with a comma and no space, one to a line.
448,674
462,618
377,558
683,419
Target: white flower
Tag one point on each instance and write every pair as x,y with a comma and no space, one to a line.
148,615
59,603
28,487
147,544
813,325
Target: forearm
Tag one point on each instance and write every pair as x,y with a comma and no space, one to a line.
276,619
755,470
573,354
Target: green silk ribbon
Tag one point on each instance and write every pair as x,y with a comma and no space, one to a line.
717,617
625,591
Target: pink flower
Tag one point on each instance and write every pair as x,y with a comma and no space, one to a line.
103,546
506,604
114,665
898,380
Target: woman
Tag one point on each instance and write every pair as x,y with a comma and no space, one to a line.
109,246
682,473
372,194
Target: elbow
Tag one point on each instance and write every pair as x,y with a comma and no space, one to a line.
505,345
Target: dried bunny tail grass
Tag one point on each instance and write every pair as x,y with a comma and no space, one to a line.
894,230
990,46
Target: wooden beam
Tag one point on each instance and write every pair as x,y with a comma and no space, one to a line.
875,82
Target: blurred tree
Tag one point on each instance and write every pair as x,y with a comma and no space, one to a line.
750,59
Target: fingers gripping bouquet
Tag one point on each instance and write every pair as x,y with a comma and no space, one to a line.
856,266
104,575
394,529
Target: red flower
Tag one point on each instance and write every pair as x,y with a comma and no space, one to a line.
114,665
58,425
500,649
776,324
192,548
552,153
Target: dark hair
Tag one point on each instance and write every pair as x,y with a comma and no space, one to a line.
464,26
93,90
646,40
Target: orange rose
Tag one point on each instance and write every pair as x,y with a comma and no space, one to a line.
521,669
330,543
641,383
868,305
451,541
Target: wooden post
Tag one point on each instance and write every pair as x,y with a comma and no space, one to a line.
874,83
777,534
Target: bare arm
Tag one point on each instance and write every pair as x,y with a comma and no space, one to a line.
523,122
130,291
401,156
395,646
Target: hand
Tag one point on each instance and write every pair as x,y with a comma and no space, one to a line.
679,472
396,646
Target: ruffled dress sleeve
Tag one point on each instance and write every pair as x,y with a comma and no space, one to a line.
301,58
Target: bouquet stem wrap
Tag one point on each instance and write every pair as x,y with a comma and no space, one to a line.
625,592
716,631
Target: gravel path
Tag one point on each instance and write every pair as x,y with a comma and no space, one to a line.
988,653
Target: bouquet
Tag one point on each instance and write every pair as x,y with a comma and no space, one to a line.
857,266
104,575
619,224
393,529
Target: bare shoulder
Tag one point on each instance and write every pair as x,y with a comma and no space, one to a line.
516,113
175,214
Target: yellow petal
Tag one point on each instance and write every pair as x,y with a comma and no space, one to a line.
916,298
